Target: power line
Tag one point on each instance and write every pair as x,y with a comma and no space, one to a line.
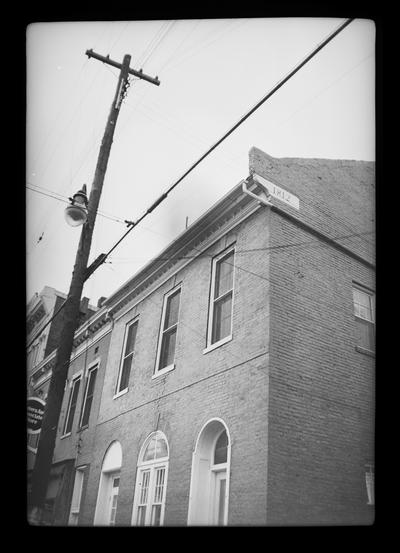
229,132
66,200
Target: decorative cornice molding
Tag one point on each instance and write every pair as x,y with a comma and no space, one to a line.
212,225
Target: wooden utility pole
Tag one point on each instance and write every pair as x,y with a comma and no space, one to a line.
48,434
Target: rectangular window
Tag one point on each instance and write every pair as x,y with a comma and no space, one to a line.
363,301
88,398
169,326
369,481
126,365
220,322
76,498
73,398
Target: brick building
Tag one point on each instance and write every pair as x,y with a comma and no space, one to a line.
44,322
239,382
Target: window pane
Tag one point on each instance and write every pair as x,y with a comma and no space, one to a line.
224,275
221,449
161,449
362,304
150,450
365,334
171,313
125,373
89,397
167,348
141,515
159,486
73,400
155,515
221,502
130,339
222,318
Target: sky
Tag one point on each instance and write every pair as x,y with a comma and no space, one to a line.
212,72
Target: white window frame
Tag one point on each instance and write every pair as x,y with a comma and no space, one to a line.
92,367
170,367
119,392
210,346
370,484
76,378
371,296
152,466
76,496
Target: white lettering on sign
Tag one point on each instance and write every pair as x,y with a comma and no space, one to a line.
278,192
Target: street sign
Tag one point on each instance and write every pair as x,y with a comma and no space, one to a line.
277,192
35,408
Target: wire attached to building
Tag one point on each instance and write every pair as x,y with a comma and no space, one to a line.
133,224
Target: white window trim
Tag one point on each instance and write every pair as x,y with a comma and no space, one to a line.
370,484
152,465
371,295
210,346
90,369
119,392
74,511
163,371
75,378
371,321
161,333
218,344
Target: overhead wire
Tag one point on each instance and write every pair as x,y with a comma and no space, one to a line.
230,131
155,204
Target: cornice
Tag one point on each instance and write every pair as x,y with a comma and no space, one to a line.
197,238
91,327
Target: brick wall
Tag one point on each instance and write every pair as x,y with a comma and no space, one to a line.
222,383
321,412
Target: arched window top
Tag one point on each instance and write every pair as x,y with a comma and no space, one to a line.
221,449
155,448
113,457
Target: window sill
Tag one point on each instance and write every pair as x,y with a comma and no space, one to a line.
65,435
121,393
163,371
217,344
365,351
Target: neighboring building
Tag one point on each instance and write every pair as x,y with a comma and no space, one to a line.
239,383
77,421
44,322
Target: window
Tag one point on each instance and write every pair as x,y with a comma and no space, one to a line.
33,440
73,397
209,486
126,365
169,326
151,482
107,497
76,497
220,321
88,398
369,481
363,302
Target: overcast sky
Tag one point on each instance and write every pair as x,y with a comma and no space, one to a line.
212,72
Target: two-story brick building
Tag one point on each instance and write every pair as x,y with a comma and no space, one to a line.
239,382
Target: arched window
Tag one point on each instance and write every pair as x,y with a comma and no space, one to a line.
107,498
209,487
151,482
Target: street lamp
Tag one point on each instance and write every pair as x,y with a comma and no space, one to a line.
76,213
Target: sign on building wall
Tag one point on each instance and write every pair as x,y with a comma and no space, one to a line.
278,192
35,411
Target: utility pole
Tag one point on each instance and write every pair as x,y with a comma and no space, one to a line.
44,456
